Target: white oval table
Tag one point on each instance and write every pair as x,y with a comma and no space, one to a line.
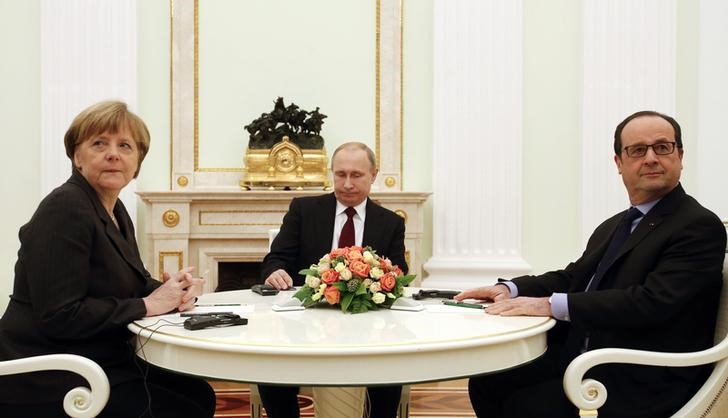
323,346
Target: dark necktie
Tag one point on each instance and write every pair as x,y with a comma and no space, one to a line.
621,233
347,237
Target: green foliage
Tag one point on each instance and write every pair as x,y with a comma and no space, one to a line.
304,295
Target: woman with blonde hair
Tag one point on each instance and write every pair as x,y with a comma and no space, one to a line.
79,280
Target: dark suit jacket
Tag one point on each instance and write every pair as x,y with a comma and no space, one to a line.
308,229
661,293
78,282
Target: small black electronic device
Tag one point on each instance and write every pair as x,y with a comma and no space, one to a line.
210,321
442,294
264,289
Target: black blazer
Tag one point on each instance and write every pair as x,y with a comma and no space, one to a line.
661,293
78,282
308,228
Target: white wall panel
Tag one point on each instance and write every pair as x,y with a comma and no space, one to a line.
629,65
88,54
712,141
477,134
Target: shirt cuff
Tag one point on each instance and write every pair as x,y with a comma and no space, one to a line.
560,306
511,286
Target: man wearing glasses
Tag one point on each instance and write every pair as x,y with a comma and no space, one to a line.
649,279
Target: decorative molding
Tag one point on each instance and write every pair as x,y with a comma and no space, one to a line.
163,255
624,41
208,220
389,138
170,218
477,143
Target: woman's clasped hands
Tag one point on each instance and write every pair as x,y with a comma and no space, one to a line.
178,291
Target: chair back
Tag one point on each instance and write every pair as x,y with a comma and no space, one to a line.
711,400
272,233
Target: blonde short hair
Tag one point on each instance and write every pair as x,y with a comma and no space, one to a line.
107,116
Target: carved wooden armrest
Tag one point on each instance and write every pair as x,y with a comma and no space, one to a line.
80,401
590,394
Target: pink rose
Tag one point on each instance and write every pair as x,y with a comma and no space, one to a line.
387,282
332,295
359,268
385,264
397,271
330,276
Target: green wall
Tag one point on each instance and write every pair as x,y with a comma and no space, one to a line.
551,135
20,121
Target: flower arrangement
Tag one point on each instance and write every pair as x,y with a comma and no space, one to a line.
356,278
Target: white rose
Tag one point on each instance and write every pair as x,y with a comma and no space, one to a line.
325,259
312,281
378,298
367,282
340,267
376,273
345,274
323,267
368,257
375,287
319,292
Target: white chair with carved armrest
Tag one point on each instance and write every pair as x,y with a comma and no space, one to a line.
353,396
710,401
79,402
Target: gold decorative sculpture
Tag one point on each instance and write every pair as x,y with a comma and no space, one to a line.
285,150
285,166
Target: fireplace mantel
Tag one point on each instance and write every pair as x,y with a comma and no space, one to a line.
199,228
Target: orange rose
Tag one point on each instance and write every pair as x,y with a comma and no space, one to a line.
337,253
354,254
387,282
330,276
359,268
332,295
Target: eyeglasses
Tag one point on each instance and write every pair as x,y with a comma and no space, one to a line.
660,148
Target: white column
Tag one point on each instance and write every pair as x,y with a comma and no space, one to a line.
88,54
477,95
711,144
629,65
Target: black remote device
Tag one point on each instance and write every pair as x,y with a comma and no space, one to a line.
209,321
443,294
264,289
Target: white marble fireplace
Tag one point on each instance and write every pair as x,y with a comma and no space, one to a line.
203,229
